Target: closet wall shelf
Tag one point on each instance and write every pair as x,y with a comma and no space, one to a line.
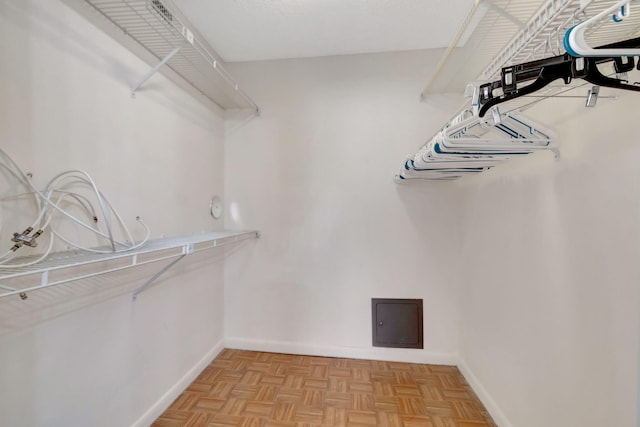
159,33
499,33
543,35
603,30
65,267
488,27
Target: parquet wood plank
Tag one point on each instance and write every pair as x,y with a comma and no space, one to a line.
266,393
361,387
316,383
175,415
271,379
172,418
259,389
209,404
339,385
199,387
333,416
209,375
431,392
364,418
259,409
276,423
244,391
465,411
163,422
471,424
362,402
313,398
340,372
226,420
319,371
293,381
198,419
221,389
233,406
444,422
407,390
383,389
386,405
251,422
289,395
186,401
411,406
284,411
309,415
414,421
389,420
338,399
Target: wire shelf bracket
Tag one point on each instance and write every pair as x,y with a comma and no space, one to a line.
151,72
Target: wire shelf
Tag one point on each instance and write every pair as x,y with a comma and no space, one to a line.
487,30
543,36
158,27
71,266
506,32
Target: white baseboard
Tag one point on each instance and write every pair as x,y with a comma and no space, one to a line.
374,353
172,394
496,413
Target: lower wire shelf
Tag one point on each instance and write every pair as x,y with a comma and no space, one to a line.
65,267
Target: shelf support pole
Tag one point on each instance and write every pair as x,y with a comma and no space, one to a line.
153,71
156,276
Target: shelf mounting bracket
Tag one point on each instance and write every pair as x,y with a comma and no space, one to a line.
151,72
156,276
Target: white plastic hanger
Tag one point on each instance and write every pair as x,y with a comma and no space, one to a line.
574,38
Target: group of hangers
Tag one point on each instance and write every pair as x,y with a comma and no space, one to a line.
474,141
565,67
470,144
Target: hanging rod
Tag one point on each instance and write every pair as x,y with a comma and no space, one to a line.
549,15
567,96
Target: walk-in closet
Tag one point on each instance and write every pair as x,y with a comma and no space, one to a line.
319,213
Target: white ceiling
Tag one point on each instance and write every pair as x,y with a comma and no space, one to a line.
250,30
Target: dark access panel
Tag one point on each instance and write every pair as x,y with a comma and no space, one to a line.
397,322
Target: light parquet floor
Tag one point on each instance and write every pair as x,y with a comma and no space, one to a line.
256,389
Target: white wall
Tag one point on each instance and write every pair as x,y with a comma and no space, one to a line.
314,172
544,252
64,104
550,279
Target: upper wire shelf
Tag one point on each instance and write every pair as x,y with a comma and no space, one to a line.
160,29
543,35
498,33
488,27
